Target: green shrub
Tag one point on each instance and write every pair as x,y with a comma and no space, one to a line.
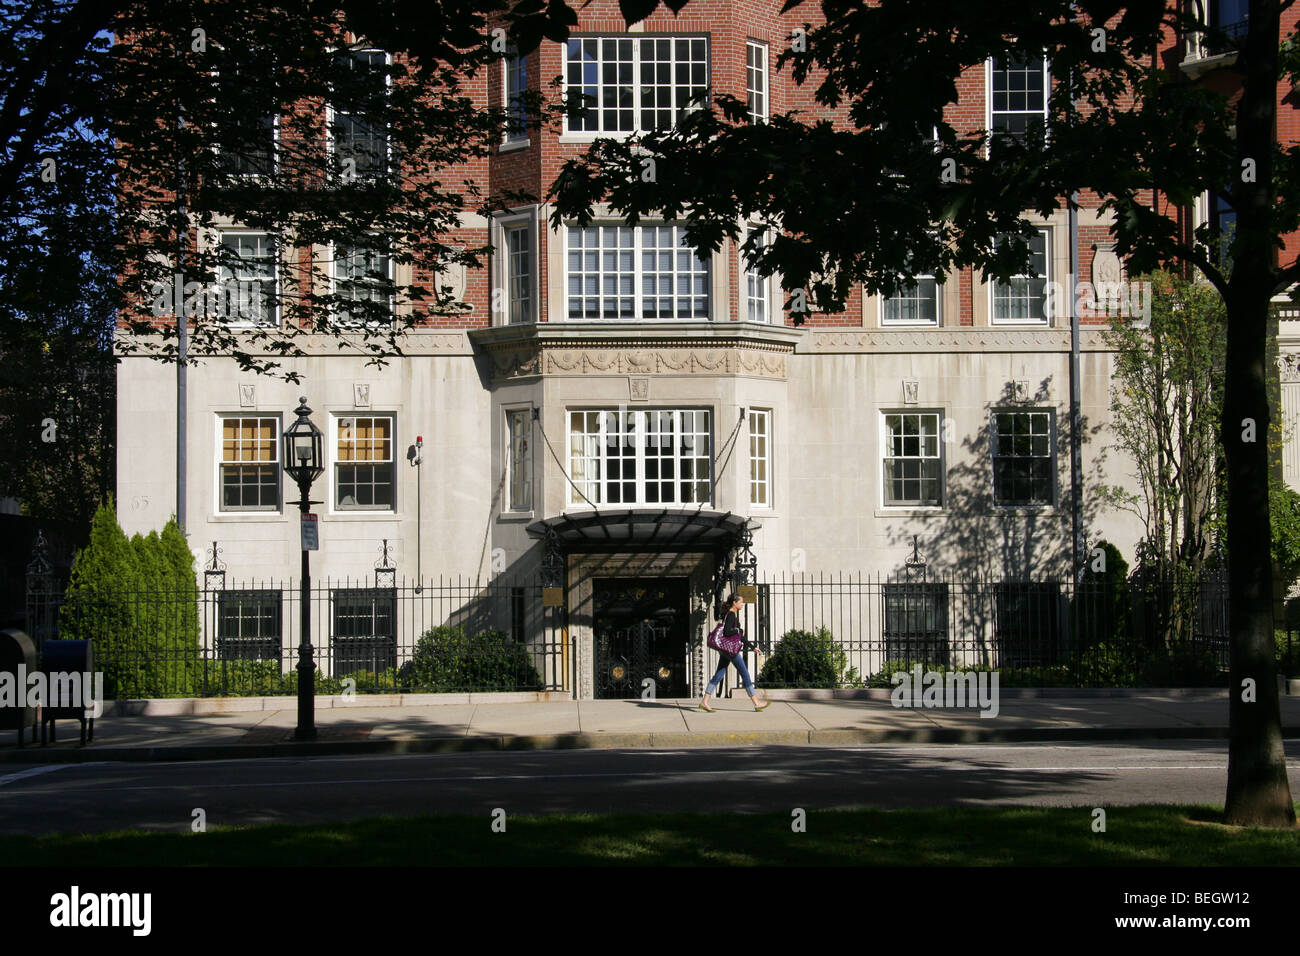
1102,599
1185,665
806,659
1109,665
447,659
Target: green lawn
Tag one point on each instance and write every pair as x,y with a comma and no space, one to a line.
998,836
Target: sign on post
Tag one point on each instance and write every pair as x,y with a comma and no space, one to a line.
310,534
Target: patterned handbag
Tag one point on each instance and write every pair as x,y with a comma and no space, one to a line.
727,645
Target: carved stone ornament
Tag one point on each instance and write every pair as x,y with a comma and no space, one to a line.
639,389
361,394
1288,364
911,389
247,396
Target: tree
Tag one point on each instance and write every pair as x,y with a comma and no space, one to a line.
1121,126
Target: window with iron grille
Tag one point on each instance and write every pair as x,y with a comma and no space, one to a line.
250,464
1027,623
518,615
1018,95
1024,298
912,459
916,622
633,84
756,80
1022,458
364,636
249,625
359,134
363,464
626,272
643,457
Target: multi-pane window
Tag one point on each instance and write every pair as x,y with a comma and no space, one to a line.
359,131
1022,458
1027,623
248,111
363,280
249,625
633,84
916,622
520,422
363,464
247,279
756,80
519,269
1018,95
515,85
917,304
1024,298
250,464
365,630
760,458
757,286
625,272
912,459
643,457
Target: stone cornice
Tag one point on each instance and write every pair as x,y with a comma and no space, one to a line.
637,335
411,342
965,339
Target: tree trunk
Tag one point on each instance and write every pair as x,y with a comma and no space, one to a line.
1258,791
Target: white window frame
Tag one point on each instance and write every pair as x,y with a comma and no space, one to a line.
273,299
992,282
1050,458
748,274
334,173
526,411
219,463
988,96
760,487
349,323
501,265
757,50
336,462
515,69
882,300
579,135
575,501
885,455
638,281
218,146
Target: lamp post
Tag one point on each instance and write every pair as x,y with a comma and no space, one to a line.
303,454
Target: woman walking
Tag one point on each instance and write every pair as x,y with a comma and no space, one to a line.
730,628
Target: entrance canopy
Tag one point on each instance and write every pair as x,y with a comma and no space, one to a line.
644,529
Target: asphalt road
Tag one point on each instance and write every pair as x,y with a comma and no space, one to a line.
95,797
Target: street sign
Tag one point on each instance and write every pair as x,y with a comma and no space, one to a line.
310,534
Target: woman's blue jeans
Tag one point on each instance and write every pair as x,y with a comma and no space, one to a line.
723,661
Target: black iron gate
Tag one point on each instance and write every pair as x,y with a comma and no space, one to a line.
641,631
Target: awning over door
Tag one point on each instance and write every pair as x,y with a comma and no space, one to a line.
644,529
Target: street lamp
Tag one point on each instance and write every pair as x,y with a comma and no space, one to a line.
304,448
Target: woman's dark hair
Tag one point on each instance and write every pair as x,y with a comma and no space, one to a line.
731,599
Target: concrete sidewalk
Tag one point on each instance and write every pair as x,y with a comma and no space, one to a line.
212,729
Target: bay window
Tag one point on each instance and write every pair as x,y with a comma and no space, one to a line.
641,457
630,272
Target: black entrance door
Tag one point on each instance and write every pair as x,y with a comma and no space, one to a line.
641,631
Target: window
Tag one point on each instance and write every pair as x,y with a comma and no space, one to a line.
363,464
760,458
249,625
248,107
1022,458
250,464
520,427
246,280
358,126
912,462
1018,92
365,630
756,80
518,615
363,281
916,622
758,297
516,82
519,269
914,305
1024,299
643,457
1027,623
626,272
627,85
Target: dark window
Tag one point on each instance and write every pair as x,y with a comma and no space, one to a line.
365,630
360,128
247,103
249,625
916,622
1022,458
1028,623
518,615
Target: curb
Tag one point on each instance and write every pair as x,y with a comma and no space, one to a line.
612,741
